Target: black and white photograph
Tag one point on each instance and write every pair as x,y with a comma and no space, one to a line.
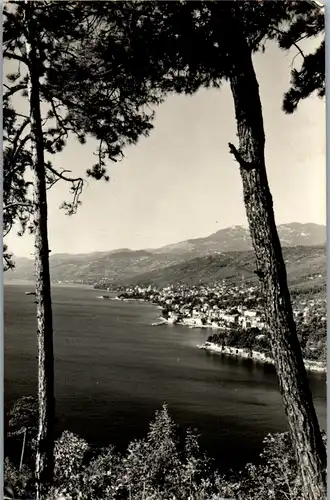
164,250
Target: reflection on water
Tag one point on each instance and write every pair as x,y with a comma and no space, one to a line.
113,370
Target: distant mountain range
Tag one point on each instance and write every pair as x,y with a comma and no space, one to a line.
192,259
237,238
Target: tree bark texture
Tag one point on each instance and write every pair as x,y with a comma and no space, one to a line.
298,403
45,440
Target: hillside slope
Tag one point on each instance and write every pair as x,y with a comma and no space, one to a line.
94,267
123,265
306,266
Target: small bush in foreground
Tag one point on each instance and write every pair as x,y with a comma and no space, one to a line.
18,484
159,467
275,478
155,468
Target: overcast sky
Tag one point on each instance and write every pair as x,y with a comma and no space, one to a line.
182,183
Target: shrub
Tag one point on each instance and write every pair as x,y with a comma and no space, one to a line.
275,478
23,415
101,477
23,429
17,483
160,467
97,479
69,454
155,468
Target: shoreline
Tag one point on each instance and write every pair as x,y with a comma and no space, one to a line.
187,322
311,366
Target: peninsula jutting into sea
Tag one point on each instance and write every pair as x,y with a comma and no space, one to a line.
237,313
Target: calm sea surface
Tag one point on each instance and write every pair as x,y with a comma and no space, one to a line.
113,370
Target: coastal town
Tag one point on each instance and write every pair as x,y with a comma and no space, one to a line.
217,306
236,316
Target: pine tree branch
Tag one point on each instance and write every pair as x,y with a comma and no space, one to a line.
11,55
7,231
61,123
13,90
8,264
76,188
21,116
299,50
63,177
21,146
59,119
19,133
16,149
238,157
293,44
51,184
50,144
17,204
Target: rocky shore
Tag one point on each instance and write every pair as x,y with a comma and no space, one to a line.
312,366
236,316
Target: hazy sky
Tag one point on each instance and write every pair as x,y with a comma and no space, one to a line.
182,183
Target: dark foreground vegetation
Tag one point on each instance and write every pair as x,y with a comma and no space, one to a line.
159,467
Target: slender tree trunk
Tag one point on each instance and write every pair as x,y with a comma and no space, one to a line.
45,440
298,403
23,450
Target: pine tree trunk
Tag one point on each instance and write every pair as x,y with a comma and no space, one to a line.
45,440
298,403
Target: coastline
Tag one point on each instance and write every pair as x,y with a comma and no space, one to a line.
311,366
187,322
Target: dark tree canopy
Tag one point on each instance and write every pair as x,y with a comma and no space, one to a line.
182,46
79,96
308,23
83,97
15,162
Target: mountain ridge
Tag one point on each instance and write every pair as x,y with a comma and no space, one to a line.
234,238
124,263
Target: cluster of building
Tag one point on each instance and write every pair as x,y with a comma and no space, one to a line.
309,311
216,306
311,320
234,309
220,305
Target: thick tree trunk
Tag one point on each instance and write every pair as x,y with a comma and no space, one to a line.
293,382
45,440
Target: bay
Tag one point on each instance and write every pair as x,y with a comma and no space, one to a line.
113,370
